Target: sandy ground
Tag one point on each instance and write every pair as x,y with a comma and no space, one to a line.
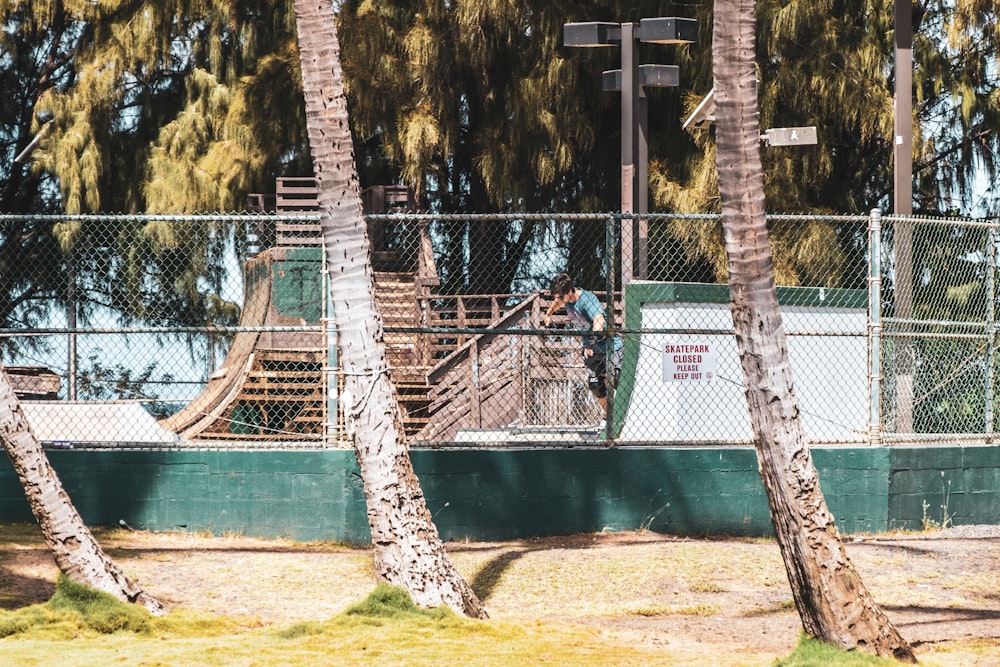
686,595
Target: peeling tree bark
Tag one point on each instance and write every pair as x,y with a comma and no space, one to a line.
408,549
76,552
831,599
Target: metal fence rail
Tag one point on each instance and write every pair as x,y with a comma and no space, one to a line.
215,330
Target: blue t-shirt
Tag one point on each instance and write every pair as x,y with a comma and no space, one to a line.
582,315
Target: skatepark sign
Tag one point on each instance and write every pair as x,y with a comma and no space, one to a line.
689,362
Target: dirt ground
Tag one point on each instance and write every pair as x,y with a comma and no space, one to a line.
686,595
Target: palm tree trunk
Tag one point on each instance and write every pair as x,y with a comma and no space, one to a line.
409,552
76,552
832,601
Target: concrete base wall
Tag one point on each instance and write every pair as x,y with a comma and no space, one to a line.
498,494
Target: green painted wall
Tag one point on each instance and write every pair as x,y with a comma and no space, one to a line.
962,482
507,494
297,284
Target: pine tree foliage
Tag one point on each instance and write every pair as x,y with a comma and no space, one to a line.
176,85
831,64
146,107
187,106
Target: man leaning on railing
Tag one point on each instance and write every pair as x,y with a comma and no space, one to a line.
586,313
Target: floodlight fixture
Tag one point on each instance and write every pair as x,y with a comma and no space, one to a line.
25,154
592,34
790,136
667,30
631,79
654,76
703,114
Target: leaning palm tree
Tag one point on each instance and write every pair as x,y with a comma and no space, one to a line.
831,599
76,552
409,552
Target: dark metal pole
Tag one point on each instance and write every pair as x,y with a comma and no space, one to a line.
641,226
609,324
630,110
902,206
71,370
903,145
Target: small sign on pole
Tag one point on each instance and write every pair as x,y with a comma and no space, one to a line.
790,136
689,362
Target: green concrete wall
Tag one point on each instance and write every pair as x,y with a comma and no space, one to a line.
960,482
508,494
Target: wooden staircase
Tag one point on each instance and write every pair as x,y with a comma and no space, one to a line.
479,385
297,196
399,302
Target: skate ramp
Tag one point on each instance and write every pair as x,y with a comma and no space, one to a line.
271,385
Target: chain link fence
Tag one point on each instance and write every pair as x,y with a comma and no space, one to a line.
938,303
216,330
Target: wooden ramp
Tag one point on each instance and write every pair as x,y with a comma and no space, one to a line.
271,385
271,388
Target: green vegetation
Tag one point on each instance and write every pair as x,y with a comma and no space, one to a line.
84,627
477,106
813,653
391,602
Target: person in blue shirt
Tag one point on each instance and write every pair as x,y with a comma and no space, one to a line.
586,312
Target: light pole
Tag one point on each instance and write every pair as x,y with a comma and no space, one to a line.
631,80
902,204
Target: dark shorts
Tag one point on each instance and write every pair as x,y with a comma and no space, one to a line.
597,371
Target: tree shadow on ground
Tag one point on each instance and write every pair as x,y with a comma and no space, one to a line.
488,577
18,590
924,625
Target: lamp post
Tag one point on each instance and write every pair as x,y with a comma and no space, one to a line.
902,204
631,80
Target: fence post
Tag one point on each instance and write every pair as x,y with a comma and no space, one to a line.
875,328
609,323
333,435
991,265
476,399
71,324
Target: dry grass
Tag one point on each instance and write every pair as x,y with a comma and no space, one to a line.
641,597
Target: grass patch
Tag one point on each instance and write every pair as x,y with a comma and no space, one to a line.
392,602
706,587
384,629
97,610
814,653
77,611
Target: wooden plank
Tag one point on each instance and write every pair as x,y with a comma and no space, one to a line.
34,381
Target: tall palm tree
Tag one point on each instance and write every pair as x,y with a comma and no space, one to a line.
408,549
76,552
831,599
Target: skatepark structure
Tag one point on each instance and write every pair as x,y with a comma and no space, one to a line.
470,369
492,412
279,381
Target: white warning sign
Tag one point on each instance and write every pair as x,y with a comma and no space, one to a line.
689,362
